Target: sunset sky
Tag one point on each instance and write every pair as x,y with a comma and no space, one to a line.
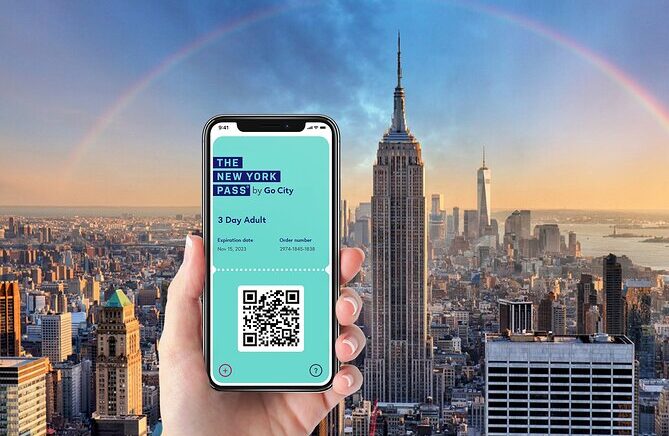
103,103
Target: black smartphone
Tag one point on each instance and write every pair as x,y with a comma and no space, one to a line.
270,208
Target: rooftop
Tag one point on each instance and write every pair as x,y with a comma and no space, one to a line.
16,362
543,337
118,299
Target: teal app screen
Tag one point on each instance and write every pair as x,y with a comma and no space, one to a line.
270,238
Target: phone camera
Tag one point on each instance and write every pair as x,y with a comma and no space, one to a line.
285,126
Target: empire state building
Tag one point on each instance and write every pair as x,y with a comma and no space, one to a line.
398,367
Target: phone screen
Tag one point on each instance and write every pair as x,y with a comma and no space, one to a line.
270,243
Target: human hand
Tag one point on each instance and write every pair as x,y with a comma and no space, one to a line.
189,406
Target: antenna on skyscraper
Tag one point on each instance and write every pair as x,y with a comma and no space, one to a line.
399,62
484,156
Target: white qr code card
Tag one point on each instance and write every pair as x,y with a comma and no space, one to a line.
271,318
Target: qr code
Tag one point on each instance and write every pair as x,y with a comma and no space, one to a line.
271,318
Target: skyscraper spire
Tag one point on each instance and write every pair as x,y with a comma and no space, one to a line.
484,156
399,61
399,124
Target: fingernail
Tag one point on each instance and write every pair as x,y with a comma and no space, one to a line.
352,344
349,380
352,301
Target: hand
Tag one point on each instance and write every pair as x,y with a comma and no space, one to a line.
189,406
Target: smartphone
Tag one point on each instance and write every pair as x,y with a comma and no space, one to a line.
270,228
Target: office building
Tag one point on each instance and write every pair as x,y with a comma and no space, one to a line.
70,373
398,366
545,312
549,238
559,319
23,395
471,224
93,290
593,321
10,319
586,297
437,220
518,223
127,425
613,279
637,299
572,247
362,231
483,196
57,336
662,413
456,221
119,359
545,384
363,210
515,316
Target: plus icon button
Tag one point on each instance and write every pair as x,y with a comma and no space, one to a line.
225,370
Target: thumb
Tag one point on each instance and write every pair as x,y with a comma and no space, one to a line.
183,315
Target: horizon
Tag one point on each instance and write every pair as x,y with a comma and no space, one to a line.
171,206
571,116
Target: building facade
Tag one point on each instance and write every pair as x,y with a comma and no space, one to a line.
119,360
57,336
586,297
10,319
398,367
613,281
23,396
545,384
515,316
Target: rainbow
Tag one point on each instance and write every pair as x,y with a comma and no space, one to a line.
636,91
125,99
619,77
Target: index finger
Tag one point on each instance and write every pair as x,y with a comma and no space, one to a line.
350,261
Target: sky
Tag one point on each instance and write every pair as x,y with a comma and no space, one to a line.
104,103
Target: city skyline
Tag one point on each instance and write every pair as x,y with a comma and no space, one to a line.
582,107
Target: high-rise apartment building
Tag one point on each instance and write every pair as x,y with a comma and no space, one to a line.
10,319
539,384
398,367
23,395
57,336
613,280
119,359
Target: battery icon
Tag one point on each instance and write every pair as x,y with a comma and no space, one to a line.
322,127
